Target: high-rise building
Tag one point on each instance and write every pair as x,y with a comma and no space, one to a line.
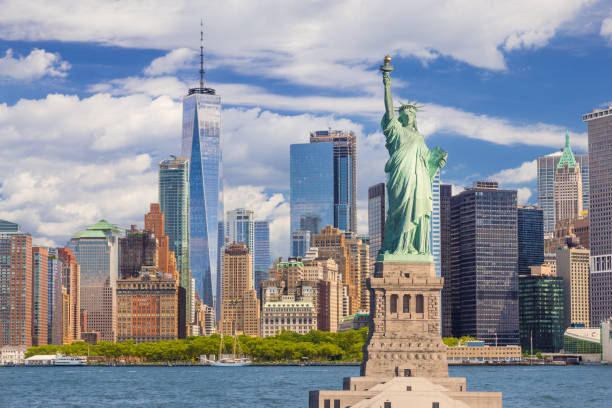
600,213
174,203
300,242
359,263
376,220
137,249
239,307
547,166
15,286
39,295
240,229
573,267
148,307
530,238
154,222
262,253
311,186
54,297
446,192
71,296
96,249
345,175
435,224
567,186
201,145
541,311
484,261
573,230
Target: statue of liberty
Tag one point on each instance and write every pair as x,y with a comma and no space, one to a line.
410,169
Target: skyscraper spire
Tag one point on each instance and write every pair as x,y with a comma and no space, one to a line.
567,157
201,53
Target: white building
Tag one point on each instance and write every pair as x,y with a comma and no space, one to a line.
12,355
298,316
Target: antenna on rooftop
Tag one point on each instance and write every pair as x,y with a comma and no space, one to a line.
201,53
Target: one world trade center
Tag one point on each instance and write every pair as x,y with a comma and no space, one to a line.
201,144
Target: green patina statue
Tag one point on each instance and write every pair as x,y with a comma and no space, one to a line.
410,169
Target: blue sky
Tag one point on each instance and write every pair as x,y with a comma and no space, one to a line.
90,94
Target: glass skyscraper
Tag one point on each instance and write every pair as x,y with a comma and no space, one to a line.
376,220
174,203
300,242
311,183
345,176
484,260
262,253
446,192
240,229
54,298
530,238
201,145
435,222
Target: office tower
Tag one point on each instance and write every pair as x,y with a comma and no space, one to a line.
54,297
345,175
137,249
240,229
567,186
376,220
96,249
435,224
547,166
359,264
15,286
71,297
148,307
39,295
530,238
484,261
290,273
300,242
573,230
573,267
239,307
446,192
541,318
201,145
262,253
311,186
154,222
600,214
174,203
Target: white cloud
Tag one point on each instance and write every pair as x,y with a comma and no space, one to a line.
35,65
526,172
606,29
329,44
523,194
175,60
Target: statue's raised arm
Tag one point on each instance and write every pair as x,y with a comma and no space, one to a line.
386,70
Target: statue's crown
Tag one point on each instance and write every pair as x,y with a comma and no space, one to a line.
413,106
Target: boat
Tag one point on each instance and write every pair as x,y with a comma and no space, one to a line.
232,361
62,360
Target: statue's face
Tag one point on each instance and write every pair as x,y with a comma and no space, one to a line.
407,117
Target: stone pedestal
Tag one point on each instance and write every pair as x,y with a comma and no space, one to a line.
404,338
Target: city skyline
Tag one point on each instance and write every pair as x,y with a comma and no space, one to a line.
499,107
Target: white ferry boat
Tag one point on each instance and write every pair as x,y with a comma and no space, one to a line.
61,360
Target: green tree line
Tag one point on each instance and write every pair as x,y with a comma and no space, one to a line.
285,346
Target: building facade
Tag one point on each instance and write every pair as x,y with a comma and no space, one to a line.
530,224
484,263
311,186
15,287
174,204
239,307
573,267
96,249
138,248
240,229
262,253
434,230
541,315
154,222
201,145
71,296
376,219
54,297
293,315
39,295
567,186
446,192
300,242
600,213
345,175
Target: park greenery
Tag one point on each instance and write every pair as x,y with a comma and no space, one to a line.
454,341
284,347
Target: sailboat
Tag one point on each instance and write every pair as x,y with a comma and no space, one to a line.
230,361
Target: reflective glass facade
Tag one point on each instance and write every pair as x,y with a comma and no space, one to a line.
201,145
546,186
446,191
262,253
530,238
541,312
376,220
484,261
174,203
54,298
300,242
240,229
312,183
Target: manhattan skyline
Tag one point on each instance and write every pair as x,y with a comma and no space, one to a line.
84,124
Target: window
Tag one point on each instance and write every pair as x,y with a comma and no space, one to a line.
393,303
337,403
407,373
419,304
406,304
